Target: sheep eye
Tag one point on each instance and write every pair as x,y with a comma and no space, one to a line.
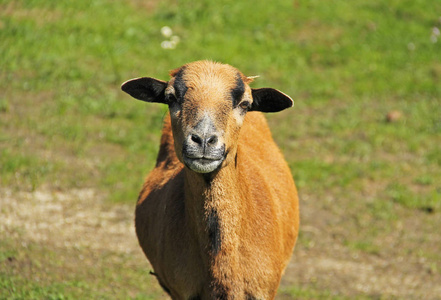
245,105
170,95
170,98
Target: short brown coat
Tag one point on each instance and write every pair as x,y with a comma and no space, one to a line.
229,237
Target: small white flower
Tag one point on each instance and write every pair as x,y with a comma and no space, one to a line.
165,45
411,46
168,45
176,39
435,31
173,44
166,31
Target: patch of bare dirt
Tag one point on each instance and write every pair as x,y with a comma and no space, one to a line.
78,218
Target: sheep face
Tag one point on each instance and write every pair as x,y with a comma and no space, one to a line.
208,102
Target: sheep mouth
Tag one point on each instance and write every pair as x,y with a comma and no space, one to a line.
203,164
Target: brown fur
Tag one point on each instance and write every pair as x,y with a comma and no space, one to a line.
228,234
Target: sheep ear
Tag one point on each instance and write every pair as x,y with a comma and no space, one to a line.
270,100
146,89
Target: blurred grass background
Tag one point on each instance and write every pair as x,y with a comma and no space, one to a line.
363,141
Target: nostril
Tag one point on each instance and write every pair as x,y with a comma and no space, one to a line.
212,140
196,139
203,142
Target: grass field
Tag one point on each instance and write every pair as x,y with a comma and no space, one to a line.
363,140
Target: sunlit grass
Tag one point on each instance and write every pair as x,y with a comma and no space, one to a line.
347,64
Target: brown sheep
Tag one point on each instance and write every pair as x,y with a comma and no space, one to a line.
218,216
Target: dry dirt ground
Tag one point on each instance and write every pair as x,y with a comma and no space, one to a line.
79,218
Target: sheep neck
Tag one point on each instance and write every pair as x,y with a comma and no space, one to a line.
215,210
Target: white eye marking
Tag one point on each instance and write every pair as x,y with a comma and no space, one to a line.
170,90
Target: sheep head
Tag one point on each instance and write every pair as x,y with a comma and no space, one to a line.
208,102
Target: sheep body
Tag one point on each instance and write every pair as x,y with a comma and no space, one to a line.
226,233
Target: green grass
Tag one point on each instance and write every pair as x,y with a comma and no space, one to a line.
298,293
64,123
35,271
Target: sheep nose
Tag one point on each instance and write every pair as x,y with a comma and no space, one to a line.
207,146
203,142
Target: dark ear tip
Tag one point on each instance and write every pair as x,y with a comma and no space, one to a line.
289,102
128,84
123,85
